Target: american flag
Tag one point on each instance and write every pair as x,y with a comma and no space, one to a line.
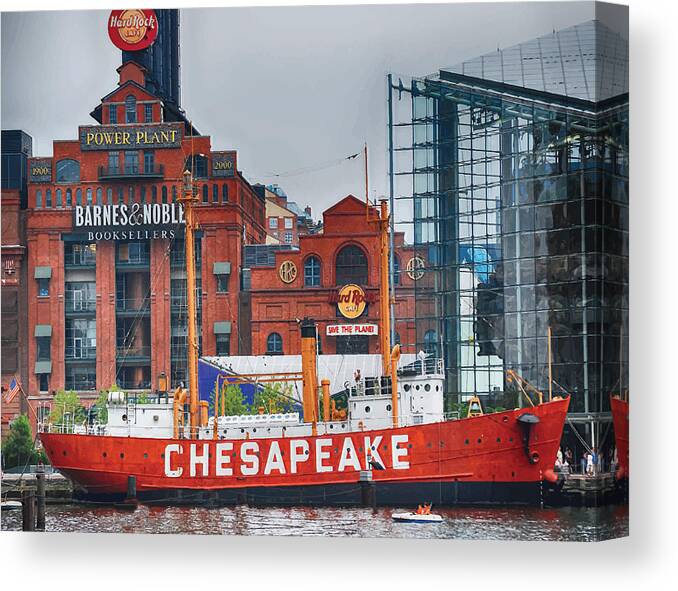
12,391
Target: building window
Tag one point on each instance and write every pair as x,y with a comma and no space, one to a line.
113,162
109,196
431,342
197,164
149,161
69,198
274,344
131,162
121,195
44,382
215,193
273,223
113,114
224,194
396,270
312,272
351,266
288,237
43,287
48,198
288,223
44,344
59,199
164,194
148,113
100,196
130,109
142,195
78,196
205,194
174,194
68,171
223,345
89,196
38,199
222,283
154,194
130,194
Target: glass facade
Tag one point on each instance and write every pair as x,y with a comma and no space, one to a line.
517,202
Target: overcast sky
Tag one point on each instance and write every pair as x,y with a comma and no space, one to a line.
288,88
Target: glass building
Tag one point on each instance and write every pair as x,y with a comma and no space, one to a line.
509,173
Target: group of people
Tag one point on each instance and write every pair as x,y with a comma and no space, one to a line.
590,461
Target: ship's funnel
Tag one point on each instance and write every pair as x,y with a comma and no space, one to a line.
309,369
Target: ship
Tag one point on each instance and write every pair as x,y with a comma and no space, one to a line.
393,443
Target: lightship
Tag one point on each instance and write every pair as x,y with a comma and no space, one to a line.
395,434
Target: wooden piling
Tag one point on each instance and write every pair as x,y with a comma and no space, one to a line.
131,489
28,510
40,497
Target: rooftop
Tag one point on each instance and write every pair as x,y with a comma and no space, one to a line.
588,61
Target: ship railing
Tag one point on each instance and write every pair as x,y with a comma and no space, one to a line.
424,367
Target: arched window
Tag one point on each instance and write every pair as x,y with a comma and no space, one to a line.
130,109
396,270
109,196
89,196
69,198
274,344
38,199
130,194
197,164
205,194
312,272
174,194
100,196
224,193
154,194
48,198
78,196
397,338
215,193
431,342
68,171
59,198
120,195
142,195
164,194
351,266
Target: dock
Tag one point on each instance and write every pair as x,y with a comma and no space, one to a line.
589,491
58,488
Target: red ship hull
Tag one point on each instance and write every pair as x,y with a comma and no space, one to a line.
620,420
490,459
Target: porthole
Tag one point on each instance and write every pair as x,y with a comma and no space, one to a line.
410,446
498,439
480,440
64,452
122,455
437,388
511,439
427,387
513,474
416,387
407,387
388,407
145,456
241,430
505,419
465,442
367,409
254,430
105,454
162,456
124,417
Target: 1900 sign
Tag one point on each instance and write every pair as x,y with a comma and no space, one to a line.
130,137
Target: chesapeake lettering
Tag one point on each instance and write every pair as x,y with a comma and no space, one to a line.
286,456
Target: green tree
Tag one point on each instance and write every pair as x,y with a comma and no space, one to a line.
274,398
101,408
233,400
19,447
67,403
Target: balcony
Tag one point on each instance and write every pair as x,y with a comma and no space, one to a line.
133,355
81,353
77,306
80,259
132,307
131,171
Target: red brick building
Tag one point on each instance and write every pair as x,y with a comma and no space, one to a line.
104,235
288,285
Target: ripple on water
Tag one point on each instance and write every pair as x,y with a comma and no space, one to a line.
563,524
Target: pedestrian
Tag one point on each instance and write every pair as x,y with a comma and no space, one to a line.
568,455
589,464
559,457
582,462
595,458
565,468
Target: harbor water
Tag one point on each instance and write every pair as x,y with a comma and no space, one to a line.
561,524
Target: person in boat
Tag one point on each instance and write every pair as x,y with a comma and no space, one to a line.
356,376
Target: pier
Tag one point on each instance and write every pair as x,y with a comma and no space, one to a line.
589,491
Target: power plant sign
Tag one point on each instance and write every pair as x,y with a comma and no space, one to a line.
132,29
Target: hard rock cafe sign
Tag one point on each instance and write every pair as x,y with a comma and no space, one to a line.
132,29
351,301
287,272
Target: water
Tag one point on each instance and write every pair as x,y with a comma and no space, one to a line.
562,524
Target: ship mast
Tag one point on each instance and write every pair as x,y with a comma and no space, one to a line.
187,199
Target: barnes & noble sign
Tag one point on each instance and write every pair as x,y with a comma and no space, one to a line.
130,137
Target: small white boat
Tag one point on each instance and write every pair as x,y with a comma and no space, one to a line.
412,517
10,505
